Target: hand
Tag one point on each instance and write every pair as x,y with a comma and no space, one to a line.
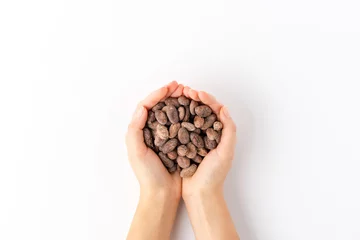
148,168
203,192
160,191
212,171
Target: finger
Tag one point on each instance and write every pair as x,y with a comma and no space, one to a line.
193,94
154,98
186,91
171,88
226,147
134,136
178,92
210,101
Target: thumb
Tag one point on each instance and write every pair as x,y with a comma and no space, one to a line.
226,147
134,136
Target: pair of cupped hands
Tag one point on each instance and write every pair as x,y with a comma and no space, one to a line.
153,177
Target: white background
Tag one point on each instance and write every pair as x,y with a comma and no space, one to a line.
72,72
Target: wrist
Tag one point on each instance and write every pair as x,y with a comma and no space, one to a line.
202,194
159,196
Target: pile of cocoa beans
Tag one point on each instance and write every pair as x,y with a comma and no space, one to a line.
182,131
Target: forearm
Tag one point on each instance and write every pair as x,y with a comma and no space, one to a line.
154,217
210,217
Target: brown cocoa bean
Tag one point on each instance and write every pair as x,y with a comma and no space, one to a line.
165,108
174,129
166,161
193,105
162,132
203,111
188,172
189,126
158,106
202,152
211,133
148,138
187,114
218,137
198,131
173,168
159,141
153,125
183,100
183,136
209,121
151,117
172,102
191,150
198,121
196,140
169,146
161,117
172,114
172,155
181,111
209,144
217,126
197,159
182,150
183,162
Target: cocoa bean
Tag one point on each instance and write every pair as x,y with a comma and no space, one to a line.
169,146
172,114
183,136
189,126
188,172
183,162
203,111
209,144
174,129
193,105
196,140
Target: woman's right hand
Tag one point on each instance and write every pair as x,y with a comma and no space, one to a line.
212,171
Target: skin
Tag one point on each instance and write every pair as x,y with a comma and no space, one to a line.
160,191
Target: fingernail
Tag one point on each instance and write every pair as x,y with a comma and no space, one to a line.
226,112
139,112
